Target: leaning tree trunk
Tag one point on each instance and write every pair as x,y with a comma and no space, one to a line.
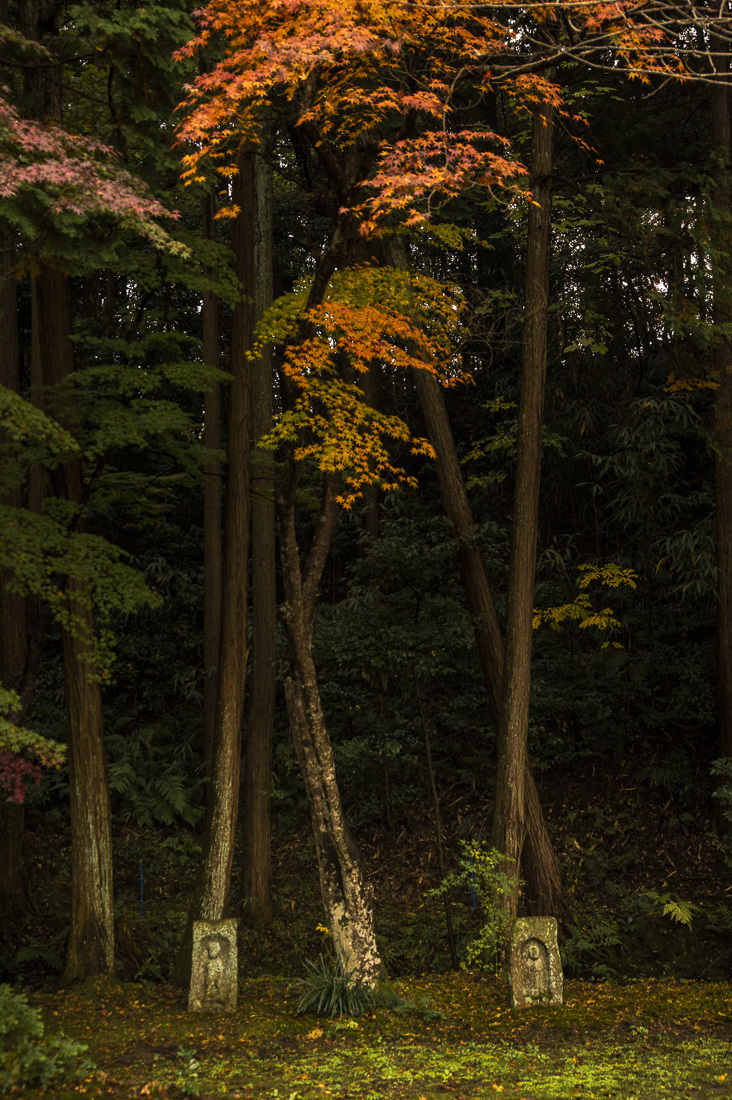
541,864
346,896
540,861
509,813
211,894
14,899
258,760
90,947
722,363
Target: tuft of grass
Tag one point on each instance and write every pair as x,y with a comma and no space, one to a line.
330,990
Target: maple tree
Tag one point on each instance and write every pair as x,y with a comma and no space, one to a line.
46,171
375,90
392,123
340,107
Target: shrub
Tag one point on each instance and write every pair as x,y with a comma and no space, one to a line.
330,990
27,1057
482,871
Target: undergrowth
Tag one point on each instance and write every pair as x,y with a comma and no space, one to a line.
27,1055
330,990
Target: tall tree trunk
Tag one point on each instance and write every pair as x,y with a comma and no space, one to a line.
540,861
211,507
346,896
90,948
258,760
542,868
722,363
14,899
211,895
509,812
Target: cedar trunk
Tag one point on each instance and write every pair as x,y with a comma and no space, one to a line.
211,506
509,813
258,771
90,948
211,895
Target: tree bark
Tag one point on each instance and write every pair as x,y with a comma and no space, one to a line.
90,948
258,761
509,812
722,364
211,894
346,897
211,507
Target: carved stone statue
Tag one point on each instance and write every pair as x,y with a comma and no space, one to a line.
214,967
535,968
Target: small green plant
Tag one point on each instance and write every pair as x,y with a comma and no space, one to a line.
422,1007
187,1076
28,1057
682,912
481,870
330,990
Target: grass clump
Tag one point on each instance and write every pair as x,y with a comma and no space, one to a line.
331,990
27,1056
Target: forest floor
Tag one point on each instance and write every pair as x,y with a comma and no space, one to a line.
648,1001
452,1035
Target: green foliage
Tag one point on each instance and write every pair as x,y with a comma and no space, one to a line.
151,776
17,739
681,912
400,622
32,432
591,950
329,990
495,454
43,552
27,1057
483,870
188,1073
581,610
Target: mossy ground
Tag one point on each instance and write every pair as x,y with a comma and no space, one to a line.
451,1036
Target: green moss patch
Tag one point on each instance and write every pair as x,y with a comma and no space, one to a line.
450,1036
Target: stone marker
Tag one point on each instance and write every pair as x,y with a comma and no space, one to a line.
214,968
535,969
